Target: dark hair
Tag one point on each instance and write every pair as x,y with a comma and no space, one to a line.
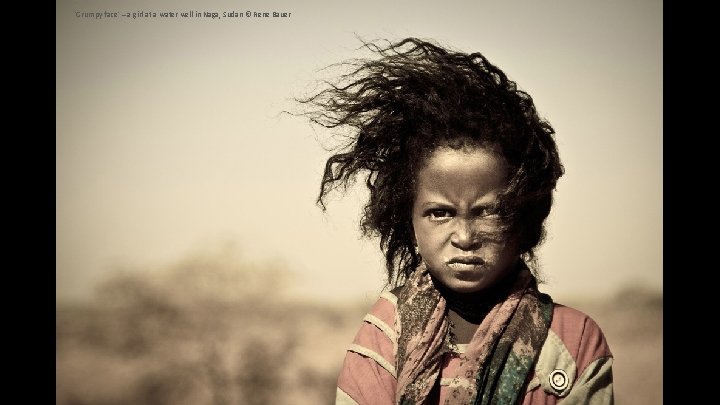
413,98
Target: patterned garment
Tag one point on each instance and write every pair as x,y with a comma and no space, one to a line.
499,357
574,365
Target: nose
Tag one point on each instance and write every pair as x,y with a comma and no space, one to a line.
464,235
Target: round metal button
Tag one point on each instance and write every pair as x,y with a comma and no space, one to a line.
559,380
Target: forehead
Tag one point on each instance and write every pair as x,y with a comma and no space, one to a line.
474,166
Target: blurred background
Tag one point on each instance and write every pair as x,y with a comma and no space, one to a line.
192,264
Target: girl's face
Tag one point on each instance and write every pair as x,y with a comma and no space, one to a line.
457,232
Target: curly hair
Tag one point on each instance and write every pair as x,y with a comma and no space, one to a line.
414,97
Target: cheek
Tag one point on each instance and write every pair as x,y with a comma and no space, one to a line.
501,252
430,238
422,236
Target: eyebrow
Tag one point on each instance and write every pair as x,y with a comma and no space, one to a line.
435,203
431,204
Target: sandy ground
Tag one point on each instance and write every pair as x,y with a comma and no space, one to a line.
149,345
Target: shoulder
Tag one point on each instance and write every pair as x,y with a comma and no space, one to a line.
574,358
368,372
384,307
378,325
580,334
382,315
569,319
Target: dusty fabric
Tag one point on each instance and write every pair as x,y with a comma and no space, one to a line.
574,346
499,357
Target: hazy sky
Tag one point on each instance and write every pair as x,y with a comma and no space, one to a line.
169,136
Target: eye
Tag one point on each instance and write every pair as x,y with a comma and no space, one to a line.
486,212
439,215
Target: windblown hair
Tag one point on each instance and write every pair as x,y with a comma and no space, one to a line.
414,97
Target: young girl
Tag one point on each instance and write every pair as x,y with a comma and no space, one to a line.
461,172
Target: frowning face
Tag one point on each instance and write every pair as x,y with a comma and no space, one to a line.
456,228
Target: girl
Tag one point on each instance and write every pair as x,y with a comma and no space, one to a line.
461,172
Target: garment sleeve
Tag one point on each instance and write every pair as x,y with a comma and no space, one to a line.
575,363
594,386
368,374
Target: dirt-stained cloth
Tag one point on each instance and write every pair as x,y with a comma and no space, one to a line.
499,357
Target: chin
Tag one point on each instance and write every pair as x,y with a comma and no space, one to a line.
464,286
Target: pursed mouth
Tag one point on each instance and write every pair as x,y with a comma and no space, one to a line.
469,260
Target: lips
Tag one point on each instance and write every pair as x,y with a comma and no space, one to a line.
466,263
467,260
